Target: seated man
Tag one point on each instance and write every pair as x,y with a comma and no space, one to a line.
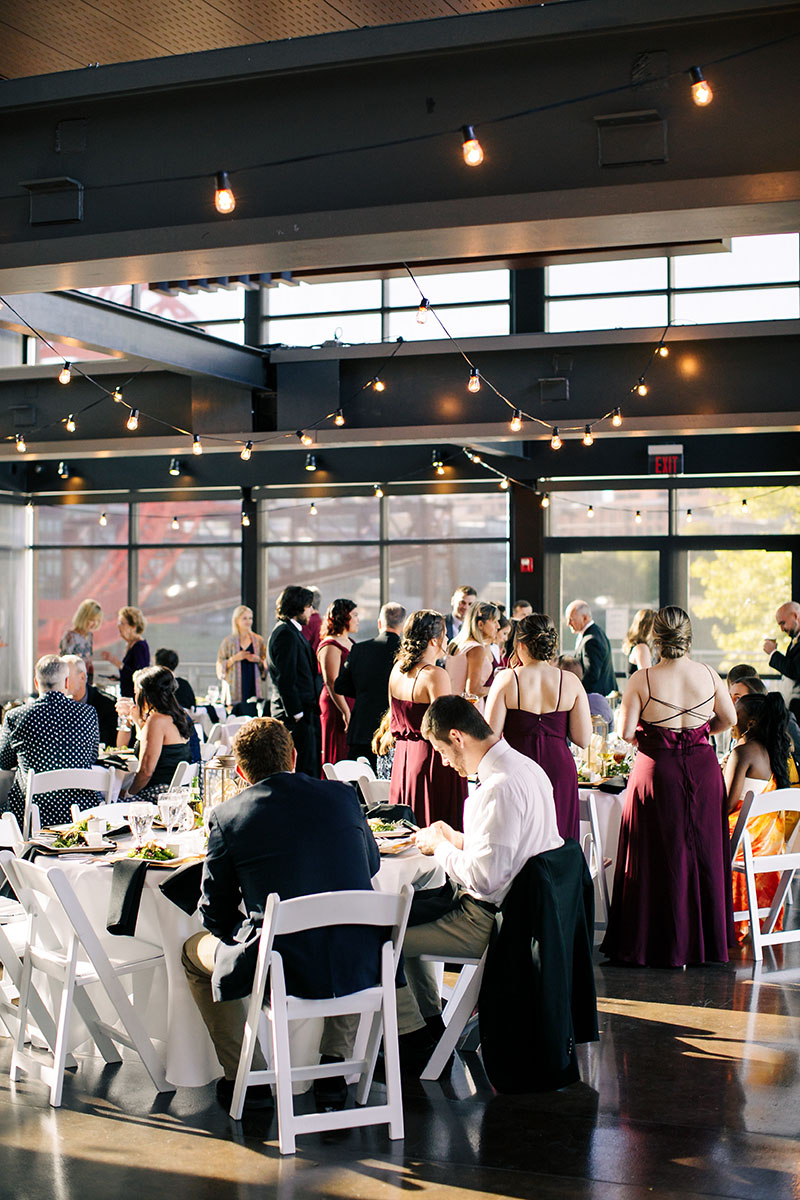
292,835
509,818
50,733
82,692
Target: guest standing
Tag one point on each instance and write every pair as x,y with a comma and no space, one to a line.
364,678
461,601
80,638
341,620
469,661
638,644
537,707
788,619
241,663
163,730
131,625
419,777
672,902
312,630
295,678
593,648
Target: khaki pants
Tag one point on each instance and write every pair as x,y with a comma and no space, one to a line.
462,933
224,1019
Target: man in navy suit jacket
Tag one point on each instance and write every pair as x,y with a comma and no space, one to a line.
592,648
293,835
296,681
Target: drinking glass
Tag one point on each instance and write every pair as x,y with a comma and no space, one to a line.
174,810
140,817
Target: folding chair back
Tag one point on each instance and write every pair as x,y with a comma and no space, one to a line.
10,833
348,770
787,863
375,791
185,772
90,779
375,1005
754,788
592,844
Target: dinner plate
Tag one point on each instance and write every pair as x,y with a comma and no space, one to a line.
166,864
104,847
395,846
114,831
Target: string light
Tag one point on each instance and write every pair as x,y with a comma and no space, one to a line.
116,395
19,438
63,470
590,512
312,509
174,466
688,516
378,385
588,437
744,505
423,310
474,384
245,519
311,462
224,199
133,420
545,500
436,462
69,424
662,351
638,517
555,441
339,418
515,424
504,484
642,388
471,148
64,375
378,491
247,450
102,520
616,419
197,447
701,88
175,524
305,438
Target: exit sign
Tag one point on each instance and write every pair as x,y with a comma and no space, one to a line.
665,460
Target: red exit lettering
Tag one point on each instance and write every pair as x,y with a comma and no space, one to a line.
666,464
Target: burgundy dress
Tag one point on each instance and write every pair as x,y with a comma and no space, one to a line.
672,903
543,737
334,734
419,777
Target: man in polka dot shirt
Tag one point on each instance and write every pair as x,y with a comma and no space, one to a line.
50,733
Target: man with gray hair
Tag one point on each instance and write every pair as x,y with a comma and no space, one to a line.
50,733
364,676
83,692
788,619
592,648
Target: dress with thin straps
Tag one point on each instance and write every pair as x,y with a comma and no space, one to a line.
419,777
334,734
543,737
672,903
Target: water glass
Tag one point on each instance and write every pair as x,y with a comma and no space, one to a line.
140,817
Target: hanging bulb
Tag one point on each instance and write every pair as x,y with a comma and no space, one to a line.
197,447
555,440
701,88
642,388
312,510
688,516
545,501
588,436
378,385
638,517
133,420
175,524
504,484
590,512
247,450
311,462
224,199
378,491
515,424
63,470
102,520
305,438
423,310
474,384
19,438
471,149
339,418
117,395
616,419
64,375
69,424
744,505
440,469
174,466
662,351
245,519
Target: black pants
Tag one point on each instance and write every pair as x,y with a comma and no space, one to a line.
307,742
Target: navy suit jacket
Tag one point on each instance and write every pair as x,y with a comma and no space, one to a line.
364,676
594,651
292,835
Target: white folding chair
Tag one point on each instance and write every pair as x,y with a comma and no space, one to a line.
90,779
377,1003
375,791
233,725
462,1000
754,788
592,844
10,833
113,813
62,945
348,770
185,772
786,800
217,736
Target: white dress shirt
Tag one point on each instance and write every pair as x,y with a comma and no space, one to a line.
510,817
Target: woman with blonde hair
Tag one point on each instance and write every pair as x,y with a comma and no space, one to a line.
469,661
131,625
241,660
419,777
672,903
79,639
638,644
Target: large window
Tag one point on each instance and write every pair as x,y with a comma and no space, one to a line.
615,584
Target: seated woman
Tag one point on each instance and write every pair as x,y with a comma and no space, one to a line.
163,730
762,754
537,707
469,661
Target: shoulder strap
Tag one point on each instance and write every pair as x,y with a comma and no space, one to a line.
647,677
416,677
560,685
516,677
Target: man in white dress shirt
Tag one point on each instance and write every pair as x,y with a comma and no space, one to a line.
509,818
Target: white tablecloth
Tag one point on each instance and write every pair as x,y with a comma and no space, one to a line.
609,817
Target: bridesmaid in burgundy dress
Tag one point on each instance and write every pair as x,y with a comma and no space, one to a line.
537,707
341,620
419,777
672,904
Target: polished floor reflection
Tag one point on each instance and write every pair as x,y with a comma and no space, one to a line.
693,1090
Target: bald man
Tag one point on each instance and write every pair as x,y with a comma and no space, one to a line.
788,619
592,648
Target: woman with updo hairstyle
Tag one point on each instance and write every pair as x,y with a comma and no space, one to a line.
672,901
341,620
537,707
419,777
638,644
163,729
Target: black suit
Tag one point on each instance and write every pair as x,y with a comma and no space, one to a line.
106,710
295,836
450,628
364,676
789,666
594,651
297,684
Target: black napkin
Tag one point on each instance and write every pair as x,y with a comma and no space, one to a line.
182,887
127,882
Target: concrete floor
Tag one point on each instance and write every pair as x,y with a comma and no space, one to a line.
693,1090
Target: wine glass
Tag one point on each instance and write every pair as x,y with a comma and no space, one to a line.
140,817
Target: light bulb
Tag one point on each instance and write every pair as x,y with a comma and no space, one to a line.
515,424
174,466
440,468
117,395
175,524
224,199
474,384
545,502
701,88
423,310
744,506
378,491
197,447
638,517
590,512
378,385
311,462
247,450
102,519
662,351
305,438
642,388
245,519
471,149
312,511
339,418
63,470
19,438
688,516
64,375
133,420
555,440
504,484
588,437
616,419
69,424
